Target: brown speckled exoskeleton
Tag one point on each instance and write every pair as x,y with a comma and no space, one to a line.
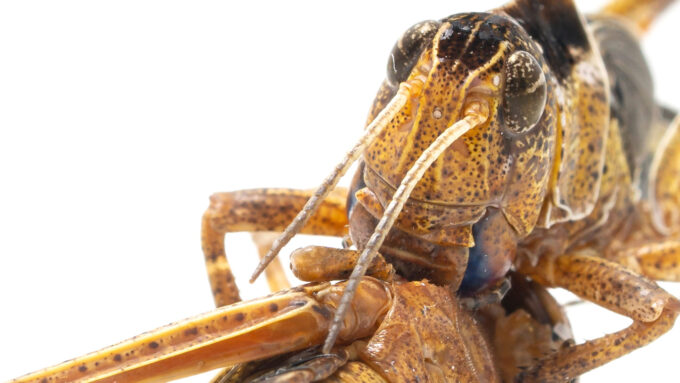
395,330
525,138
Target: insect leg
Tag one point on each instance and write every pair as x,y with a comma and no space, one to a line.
283,322
570,362
605,283
527,326
639,12
657,260
304,367
614,287
322,264
277,280
276,277
311,264
340,366
489,296
259,210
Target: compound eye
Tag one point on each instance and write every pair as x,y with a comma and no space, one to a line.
525,92
407,50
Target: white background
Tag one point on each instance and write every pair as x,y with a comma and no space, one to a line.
119,119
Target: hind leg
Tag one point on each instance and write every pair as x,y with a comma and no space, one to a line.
639,12
656,260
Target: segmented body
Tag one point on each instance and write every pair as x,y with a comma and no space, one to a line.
570,181
571,243
623,184
271,339
444,341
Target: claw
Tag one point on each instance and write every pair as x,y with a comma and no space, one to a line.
673,304
287,321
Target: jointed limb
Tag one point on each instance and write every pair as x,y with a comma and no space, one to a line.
321,264
276,277
260,210
603,282
612,286
284,322
570,362
657,260
639,12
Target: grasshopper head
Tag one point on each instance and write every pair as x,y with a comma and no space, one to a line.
491,182
504,163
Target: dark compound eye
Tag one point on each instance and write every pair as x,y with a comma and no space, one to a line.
408,49
525,92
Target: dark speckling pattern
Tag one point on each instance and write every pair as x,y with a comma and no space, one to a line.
559,191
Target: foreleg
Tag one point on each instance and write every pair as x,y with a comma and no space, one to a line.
260,210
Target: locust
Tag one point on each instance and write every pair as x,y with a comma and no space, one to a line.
526,267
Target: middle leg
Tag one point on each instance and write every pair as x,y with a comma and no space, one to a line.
659,260
614,287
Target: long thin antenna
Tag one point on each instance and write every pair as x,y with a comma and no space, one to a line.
372,131
474,117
